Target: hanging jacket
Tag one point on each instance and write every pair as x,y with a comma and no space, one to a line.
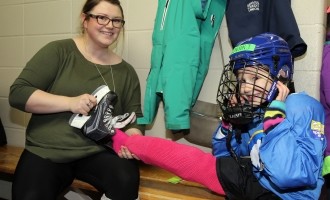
183,39
247,18
325,100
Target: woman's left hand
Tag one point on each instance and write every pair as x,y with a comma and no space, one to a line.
283,91
125,153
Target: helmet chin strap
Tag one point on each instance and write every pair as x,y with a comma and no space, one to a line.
244,113
239,114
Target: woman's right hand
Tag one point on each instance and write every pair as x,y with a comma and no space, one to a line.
82,104
42,102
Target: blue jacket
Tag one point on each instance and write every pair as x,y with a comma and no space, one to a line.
291,154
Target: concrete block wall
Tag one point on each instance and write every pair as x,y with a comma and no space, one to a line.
27,25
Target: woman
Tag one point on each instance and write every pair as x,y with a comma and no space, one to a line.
58,82
269,145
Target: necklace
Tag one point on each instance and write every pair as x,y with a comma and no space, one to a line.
113,80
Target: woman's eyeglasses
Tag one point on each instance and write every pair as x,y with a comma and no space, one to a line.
104,20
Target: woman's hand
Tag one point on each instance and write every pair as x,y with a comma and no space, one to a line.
125,153
82,104
283,91
42,102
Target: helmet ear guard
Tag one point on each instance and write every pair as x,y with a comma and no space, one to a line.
283,76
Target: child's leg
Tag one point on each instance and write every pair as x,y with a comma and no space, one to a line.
190,163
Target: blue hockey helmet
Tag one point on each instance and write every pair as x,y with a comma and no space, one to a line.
266,49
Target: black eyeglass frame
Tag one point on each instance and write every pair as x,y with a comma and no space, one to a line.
99,20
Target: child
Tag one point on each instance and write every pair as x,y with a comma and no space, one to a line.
269,145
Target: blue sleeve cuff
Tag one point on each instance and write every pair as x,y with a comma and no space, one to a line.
277,104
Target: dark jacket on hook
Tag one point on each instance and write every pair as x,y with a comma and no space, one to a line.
247,18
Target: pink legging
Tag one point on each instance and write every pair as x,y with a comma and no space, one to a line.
188,162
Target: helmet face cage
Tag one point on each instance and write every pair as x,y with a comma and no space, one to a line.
241,107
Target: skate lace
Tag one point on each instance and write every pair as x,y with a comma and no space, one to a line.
108,118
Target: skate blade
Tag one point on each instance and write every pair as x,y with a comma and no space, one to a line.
79,120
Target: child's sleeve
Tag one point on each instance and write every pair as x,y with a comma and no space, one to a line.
219,147
292,150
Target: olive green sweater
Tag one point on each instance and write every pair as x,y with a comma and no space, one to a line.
59,68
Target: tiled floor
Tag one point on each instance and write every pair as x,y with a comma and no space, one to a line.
5,188
5,193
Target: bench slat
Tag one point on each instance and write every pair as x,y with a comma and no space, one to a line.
154,181
9,157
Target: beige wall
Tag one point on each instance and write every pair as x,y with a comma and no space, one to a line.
27,25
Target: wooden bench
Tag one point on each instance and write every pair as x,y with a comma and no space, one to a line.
154,181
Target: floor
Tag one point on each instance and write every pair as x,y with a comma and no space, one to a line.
5,188
71,194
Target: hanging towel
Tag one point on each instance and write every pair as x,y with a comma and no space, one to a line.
183,39
247,18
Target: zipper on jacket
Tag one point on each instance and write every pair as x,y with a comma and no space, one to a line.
164,14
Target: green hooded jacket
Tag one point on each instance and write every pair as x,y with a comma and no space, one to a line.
183,39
